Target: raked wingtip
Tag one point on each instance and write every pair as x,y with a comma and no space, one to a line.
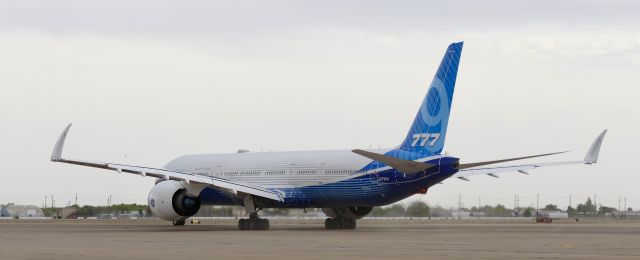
56,155
594,151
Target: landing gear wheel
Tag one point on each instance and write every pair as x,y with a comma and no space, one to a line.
179,222
329,223
253,223
339,223
264,224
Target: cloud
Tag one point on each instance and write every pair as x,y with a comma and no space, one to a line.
250,19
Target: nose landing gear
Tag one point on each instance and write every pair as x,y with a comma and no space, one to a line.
179,222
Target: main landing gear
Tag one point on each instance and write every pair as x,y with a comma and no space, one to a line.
179,222
340,223
253,223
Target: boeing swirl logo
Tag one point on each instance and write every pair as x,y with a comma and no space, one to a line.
433,102
434,113
436,104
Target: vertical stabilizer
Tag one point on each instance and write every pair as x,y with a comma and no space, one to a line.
429,128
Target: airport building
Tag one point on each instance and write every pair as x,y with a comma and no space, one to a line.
21,211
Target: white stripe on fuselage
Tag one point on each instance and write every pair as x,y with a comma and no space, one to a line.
280,169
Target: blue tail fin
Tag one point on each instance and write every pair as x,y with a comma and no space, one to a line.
429,128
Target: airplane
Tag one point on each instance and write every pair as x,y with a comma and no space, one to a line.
345,184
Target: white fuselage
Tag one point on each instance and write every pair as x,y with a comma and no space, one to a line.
276,169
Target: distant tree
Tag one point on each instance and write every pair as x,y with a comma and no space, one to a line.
395,210
487,210
587,208
551,207
527,212
571,212
125,207
590,206
418,209
87,211
629,209
604,210
378,212
48,212
500,211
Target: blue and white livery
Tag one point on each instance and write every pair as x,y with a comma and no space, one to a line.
345,184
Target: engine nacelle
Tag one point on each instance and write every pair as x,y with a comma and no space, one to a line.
347,212
169,200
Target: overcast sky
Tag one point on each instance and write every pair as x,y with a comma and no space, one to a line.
147,81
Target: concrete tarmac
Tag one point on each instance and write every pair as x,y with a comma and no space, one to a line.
374,239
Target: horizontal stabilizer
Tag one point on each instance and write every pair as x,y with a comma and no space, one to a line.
404,166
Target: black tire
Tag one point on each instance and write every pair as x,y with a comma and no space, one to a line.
340,223
241,224
332,223
266,224
251,225
179,222
262,224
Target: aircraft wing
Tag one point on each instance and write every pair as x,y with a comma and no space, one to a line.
219,183
470,169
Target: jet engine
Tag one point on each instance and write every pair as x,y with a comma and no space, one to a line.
352,213
168,200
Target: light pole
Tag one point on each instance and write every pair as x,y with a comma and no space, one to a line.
537,203
459,205
619,201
